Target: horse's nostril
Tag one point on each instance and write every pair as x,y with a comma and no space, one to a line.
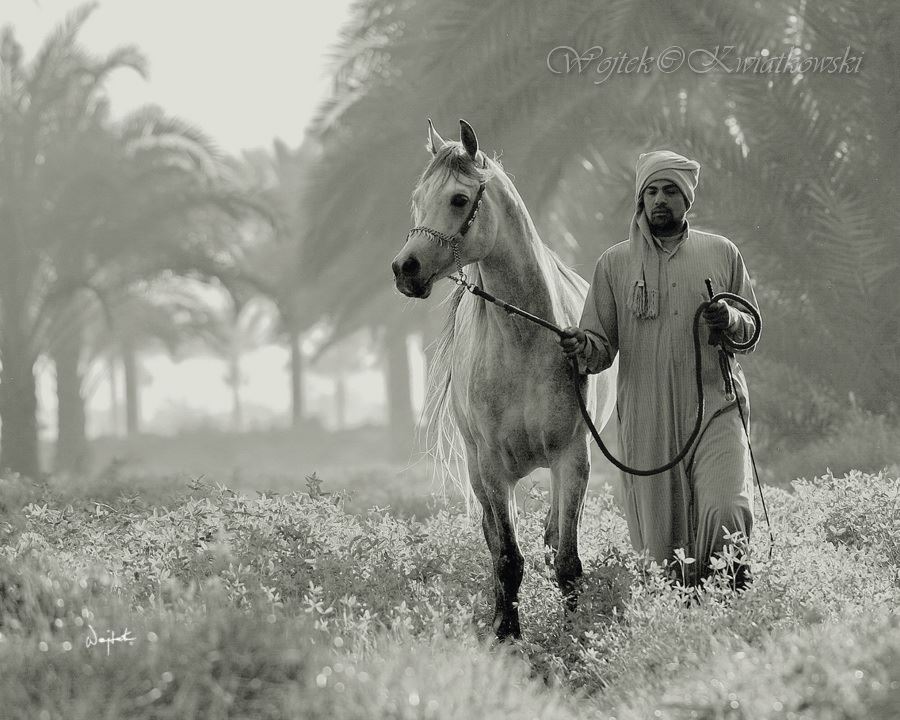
410,266
395,266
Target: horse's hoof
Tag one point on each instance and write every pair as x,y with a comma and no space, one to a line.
507,638
507,628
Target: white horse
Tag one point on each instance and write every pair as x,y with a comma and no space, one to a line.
502,381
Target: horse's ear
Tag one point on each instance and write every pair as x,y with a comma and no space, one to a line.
434,142
469,139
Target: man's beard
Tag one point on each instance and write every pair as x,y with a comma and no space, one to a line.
665,223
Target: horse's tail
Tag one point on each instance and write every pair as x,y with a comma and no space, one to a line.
442,438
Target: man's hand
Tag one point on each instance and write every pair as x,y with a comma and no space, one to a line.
573,341
717,315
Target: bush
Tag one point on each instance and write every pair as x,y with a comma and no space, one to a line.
15,493
859,511
283,605
224,663
837,670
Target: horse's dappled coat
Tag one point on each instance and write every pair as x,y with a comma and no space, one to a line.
498,380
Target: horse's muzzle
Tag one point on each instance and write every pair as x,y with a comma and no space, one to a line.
408,266
407,277
413,288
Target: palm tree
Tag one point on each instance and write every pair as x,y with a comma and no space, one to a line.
339,356
167,313
281,177
797,152
92,340
92,206
239,327
46,109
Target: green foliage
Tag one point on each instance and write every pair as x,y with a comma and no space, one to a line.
859,511
15,493
223,663
281,604
834,670
795,187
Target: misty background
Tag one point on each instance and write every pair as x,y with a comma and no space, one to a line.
199,204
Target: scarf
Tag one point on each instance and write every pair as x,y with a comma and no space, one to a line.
645,260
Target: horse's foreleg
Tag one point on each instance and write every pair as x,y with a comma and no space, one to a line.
489,528
571,471
510,564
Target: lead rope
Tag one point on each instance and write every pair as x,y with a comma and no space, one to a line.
753,463
728,378
725,358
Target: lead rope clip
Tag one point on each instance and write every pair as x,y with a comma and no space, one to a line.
461,278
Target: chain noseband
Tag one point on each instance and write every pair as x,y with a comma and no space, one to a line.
453,240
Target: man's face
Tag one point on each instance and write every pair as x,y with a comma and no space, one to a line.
664,206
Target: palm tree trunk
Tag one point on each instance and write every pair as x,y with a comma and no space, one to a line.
340,401
71,440
114,418
297,368
234,381
132,389
399,398
18,391
18,402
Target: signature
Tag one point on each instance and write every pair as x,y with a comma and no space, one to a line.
565,59
91,640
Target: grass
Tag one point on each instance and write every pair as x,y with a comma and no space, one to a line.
306,605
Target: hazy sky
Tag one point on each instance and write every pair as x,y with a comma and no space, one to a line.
245,71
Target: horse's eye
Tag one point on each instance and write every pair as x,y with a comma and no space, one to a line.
458,200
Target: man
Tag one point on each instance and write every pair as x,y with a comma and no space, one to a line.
643,297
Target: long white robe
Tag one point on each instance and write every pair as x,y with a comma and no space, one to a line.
687,506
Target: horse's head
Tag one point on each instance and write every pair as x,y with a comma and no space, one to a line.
451,211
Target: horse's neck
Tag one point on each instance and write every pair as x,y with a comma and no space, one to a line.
513,272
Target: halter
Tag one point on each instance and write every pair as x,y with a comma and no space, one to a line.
453,240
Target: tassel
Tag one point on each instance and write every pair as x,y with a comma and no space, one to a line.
638,300
652,304
644,304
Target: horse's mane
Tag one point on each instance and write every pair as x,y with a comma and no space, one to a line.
442,438
467,315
